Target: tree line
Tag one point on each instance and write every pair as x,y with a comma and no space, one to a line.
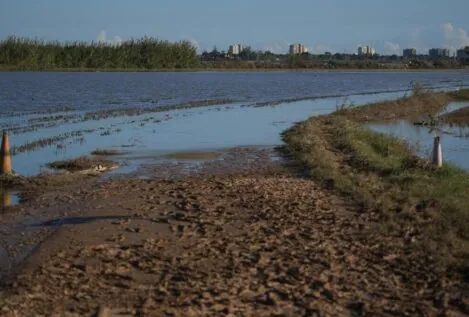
142,53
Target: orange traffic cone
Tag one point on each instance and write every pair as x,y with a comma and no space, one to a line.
5,159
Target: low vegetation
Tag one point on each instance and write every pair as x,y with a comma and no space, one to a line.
460,116
79,164
412,199
105,152
419,104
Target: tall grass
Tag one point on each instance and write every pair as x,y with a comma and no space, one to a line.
143,53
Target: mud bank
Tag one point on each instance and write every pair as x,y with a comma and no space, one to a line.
258,243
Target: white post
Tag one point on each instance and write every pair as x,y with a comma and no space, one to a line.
437,159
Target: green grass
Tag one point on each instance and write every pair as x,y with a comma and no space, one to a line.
383,175
144,53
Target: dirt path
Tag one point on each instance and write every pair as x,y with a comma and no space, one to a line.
255,243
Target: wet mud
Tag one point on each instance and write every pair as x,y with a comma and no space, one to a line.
260,240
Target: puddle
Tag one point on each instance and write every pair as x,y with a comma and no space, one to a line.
8,199
59,222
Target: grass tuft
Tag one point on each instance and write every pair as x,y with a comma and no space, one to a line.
79,164
105,152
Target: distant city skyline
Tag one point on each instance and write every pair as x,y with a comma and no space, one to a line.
336,26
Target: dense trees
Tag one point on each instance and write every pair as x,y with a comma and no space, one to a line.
144,53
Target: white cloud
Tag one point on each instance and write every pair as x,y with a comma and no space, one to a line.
391,48
455,38
101,38
448,30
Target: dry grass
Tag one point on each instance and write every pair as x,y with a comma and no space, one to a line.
410,107
458,117
413,107
459,95
79,164
412,199
105,152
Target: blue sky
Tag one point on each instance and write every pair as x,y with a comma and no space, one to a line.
333,25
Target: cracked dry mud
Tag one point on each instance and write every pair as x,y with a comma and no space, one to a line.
257,243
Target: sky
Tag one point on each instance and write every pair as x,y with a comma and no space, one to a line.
321,25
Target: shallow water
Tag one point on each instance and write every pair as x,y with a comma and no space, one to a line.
151,136
199,129
8,199
41,91
454,140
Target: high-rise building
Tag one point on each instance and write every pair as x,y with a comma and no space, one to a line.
297,49
409,52
366,51
438,52
235,49
463,54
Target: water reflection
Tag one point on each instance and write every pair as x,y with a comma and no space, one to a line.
202,129
5,199
8,199
454,140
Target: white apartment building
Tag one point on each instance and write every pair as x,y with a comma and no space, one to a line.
366,50
235,49
297,49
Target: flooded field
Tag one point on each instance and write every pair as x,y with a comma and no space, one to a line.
170,125
151,117
44,91
149,137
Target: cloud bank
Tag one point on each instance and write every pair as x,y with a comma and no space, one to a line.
454,38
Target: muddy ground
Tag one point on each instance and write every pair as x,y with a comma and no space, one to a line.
244,235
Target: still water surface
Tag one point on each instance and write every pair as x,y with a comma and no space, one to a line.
153,135
39,91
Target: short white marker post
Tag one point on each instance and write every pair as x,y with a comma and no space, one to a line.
437,159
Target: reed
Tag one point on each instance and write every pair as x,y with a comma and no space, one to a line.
139,54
